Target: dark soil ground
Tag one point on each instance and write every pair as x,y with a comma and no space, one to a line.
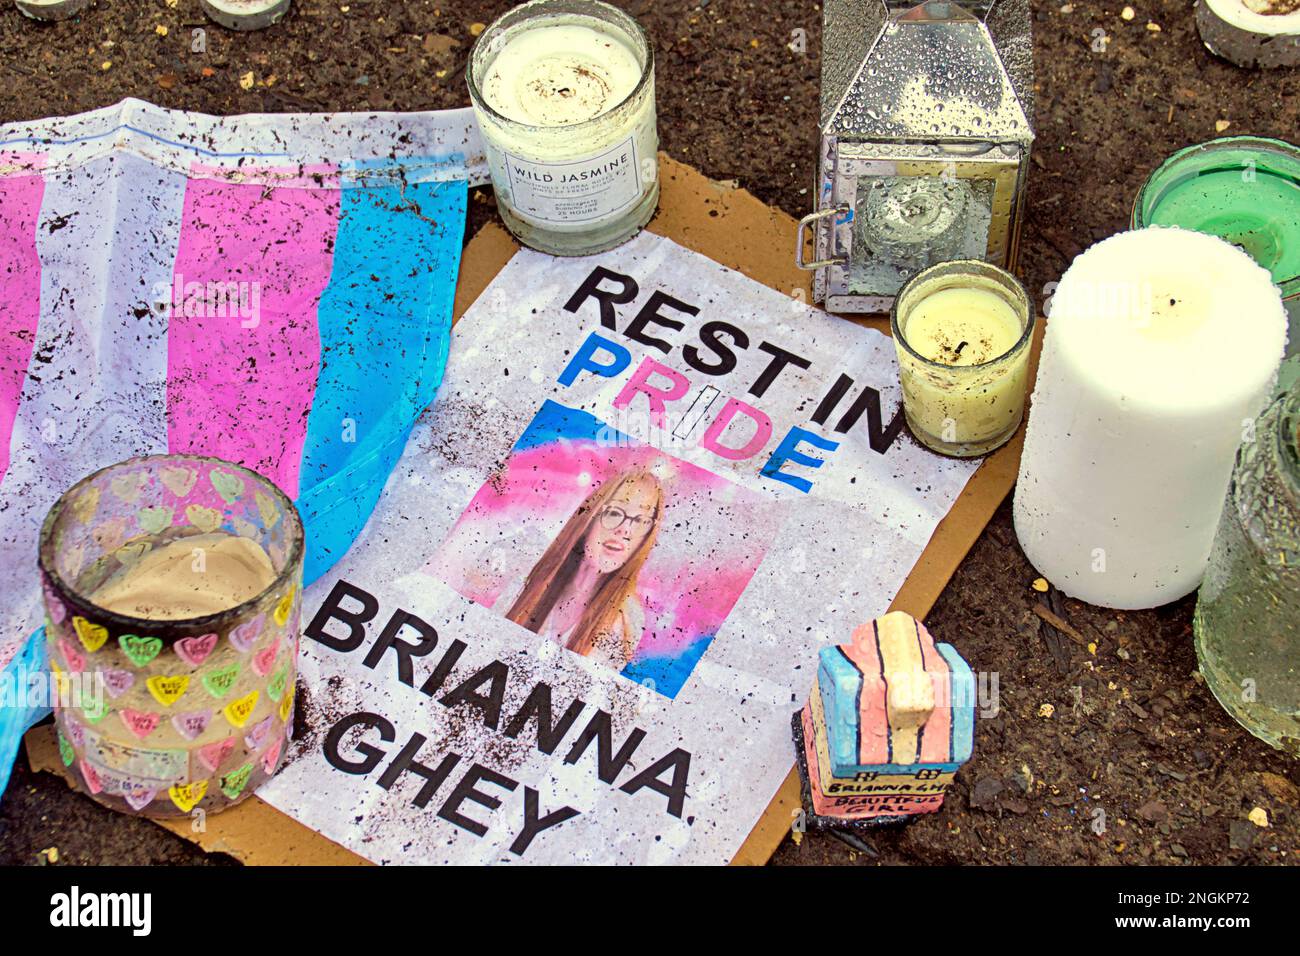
1135,746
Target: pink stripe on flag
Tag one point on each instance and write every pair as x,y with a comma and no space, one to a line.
20,283
241,378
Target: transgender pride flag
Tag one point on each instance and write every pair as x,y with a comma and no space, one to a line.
273,290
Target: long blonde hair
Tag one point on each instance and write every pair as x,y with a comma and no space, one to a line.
557,566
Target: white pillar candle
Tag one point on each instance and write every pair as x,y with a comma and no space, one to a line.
1161,346
563,91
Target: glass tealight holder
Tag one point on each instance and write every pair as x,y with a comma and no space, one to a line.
164,711
1245,189
962,330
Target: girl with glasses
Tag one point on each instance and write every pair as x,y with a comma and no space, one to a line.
582,593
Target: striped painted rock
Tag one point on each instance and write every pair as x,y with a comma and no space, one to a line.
889,721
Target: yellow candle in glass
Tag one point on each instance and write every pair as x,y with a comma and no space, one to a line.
962,330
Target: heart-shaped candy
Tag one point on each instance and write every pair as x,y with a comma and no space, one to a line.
92,636
94,710
272,755
93,783
140,723
57,610
187,796
256,737
192,724
117,681
179,481
264,659
110,532
205,519
228,485
155,520
212,755
267,509
275,686
168,688
139,650
233,783
75,660
238,711
195,650
128,486
282,609
219,680
242,638
137,798
85,505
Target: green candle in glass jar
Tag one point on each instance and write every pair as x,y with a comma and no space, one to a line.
1245,189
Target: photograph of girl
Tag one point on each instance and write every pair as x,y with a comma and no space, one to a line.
617,551
582,593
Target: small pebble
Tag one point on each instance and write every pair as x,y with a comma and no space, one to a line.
1153,811
1241,835
1024,778
1259,817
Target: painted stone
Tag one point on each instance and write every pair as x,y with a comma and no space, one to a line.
890,720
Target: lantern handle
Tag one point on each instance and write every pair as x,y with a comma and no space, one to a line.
800,241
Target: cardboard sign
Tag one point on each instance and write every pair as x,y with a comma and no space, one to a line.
664,731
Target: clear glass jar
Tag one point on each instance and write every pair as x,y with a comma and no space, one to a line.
566,182
1247,621
963,410
171,711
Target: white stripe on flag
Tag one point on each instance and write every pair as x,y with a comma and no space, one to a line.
96,385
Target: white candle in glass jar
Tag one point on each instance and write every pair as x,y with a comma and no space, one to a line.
563,91
1161,346
962,331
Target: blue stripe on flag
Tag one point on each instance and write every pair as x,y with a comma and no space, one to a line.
387,310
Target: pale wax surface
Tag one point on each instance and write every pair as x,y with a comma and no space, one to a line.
982,320
169,583
561,74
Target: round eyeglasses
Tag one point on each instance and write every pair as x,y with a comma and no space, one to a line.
613,518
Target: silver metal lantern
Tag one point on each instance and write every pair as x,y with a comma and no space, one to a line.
926,122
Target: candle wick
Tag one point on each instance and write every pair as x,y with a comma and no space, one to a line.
961,345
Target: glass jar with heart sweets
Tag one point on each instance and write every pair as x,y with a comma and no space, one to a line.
172,591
